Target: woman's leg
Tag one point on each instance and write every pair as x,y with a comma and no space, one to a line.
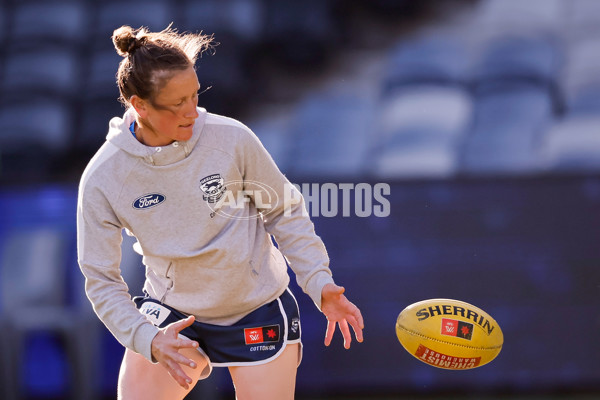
139,379
274,380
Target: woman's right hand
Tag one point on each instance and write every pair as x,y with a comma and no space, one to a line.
165,350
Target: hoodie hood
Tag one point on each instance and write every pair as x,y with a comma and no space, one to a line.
120,135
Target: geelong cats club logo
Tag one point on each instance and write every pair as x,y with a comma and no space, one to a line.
213,188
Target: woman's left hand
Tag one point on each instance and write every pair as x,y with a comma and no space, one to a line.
340,311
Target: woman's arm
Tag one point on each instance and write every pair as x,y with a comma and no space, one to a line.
99,256
294,232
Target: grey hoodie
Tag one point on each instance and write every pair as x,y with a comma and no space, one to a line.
205,253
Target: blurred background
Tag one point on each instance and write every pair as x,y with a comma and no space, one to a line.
482,116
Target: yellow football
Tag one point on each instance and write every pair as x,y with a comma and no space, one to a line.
449,334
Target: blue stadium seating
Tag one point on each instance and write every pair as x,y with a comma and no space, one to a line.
238,19
585,101
419,132
581,81
572,144
508,124
94,118
498,17
50,71
34,134
514,57
37,23
37,252
274,134
100,80
296,40
110,15
223,79
581,17
517,41
428,57
330,133
45,122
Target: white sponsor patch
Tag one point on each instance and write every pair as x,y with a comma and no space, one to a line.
155,312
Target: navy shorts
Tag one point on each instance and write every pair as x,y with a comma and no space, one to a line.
258,338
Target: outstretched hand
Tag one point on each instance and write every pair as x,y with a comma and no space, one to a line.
165,349
340,311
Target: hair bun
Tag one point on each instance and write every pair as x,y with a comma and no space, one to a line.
127,40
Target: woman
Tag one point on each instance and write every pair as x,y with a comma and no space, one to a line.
216,286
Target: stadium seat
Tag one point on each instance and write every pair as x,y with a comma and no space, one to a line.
584,101
497,17
515,57
241,19
299,41
43,121
572,145
435,57
50,71
417,161
154,14
580,83
35,134
236,26
36,257
100,80
274,133
36,23
582,18
93,123
445,111
100,99
507,126
419,131
223,79
330,134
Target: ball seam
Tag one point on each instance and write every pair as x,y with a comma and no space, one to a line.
445,342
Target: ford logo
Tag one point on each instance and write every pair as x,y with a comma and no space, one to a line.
148,201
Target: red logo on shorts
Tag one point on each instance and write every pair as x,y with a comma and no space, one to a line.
263,334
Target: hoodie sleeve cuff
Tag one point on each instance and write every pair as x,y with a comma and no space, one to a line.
143,341
314,287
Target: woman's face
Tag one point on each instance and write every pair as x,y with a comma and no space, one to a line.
171,116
